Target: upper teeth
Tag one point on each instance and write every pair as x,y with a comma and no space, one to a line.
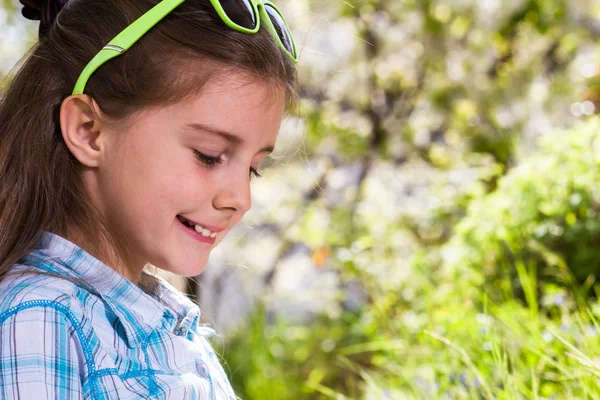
200,229
204,231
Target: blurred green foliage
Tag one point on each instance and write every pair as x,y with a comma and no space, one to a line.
497,312
541,220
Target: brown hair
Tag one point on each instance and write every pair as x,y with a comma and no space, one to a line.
40,185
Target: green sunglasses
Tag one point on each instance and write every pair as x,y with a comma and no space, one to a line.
241,15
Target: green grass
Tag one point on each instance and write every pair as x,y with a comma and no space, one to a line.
437,347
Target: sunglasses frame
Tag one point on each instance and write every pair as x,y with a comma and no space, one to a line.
131,34
260,14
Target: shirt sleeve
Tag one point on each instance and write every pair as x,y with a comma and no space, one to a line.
40,356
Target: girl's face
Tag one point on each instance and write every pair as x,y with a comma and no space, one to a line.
164,166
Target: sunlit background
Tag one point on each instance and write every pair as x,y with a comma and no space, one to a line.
428,227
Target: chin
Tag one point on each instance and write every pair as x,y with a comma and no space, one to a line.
190,273
183,268
189,268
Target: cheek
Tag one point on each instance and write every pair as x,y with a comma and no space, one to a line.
191,188
150,187
140,185
184,184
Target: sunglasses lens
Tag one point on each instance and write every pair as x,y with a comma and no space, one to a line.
282,31
240,12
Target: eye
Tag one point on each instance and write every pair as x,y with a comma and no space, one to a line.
255,172
211,161
207,160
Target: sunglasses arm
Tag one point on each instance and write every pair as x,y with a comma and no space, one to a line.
124,40
103,56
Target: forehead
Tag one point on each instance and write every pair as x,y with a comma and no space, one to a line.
236,102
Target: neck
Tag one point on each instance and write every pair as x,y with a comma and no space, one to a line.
107,255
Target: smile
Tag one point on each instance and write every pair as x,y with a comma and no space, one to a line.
198,228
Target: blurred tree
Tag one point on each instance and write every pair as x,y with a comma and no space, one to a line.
411,107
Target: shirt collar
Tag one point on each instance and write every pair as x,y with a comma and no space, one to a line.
139,312
187,313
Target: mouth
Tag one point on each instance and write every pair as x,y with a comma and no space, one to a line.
197,230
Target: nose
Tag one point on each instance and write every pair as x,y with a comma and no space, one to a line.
234,192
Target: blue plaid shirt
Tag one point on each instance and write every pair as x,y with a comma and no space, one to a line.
107,339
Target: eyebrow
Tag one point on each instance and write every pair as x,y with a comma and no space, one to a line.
230,137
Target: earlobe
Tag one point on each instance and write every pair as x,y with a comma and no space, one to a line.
81,132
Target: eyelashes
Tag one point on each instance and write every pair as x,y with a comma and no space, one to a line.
208,160
211,162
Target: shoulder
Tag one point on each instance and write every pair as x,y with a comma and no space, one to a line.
43,348
35,290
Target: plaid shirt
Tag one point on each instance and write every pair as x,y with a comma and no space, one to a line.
111,340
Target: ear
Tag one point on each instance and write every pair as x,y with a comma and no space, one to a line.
82,133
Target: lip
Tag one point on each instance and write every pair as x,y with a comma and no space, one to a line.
210,227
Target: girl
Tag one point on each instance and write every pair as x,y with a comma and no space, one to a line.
108,164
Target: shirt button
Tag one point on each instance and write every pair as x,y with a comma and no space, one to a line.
202,369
